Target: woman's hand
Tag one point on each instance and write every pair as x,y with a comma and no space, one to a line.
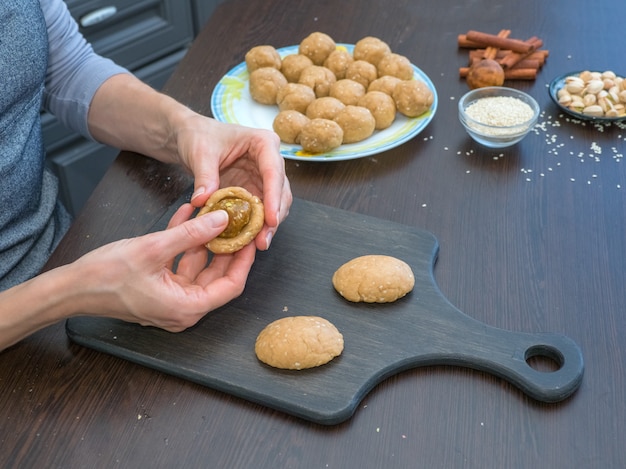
134,279
221,155
125,113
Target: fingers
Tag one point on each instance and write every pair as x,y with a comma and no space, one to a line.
183,213
182,236
242,156
230,271
275,217
206,178
203,188
192,262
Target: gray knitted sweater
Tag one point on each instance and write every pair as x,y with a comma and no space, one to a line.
44,62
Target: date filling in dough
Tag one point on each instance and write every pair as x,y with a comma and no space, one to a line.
245,214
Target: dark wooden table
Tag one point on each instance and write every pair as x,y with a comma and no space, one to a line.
532,238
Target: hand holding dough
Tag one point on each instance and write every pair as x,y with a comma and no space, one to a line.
246,218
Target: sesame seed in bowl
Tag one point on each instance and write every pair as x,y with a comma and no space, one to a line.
496,116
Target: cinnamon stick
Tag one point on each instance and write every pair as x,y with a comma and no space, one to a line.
525,63
520,74
519,60
491,40
509,60
491,51
465,43
509,74
538,55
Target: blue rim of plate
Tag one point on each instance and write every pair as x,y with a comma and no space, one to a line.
558,83
231,102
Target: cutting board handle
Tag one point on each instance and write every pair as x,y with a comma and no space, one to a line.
507,354
548,386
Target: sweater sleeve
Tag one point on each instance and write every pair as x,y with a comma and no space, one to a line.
75,71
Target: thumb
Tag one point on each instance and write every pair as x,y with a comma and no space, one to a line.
206,181
193,233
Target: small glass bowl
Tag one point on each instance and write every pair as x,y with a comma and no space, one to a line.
493,136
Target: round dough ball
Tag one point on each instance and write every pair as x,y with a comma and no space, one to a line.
374,279
386,84
413,98
356,122
396,65
347,91
317,46
298,342
245,214
289,124
265,83
338,61
318,78
362,71
382,106
292,66
294,96
321,136
371,49
262,56
324,108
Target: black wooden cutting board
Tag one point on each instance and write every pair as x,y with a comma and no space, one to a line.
294,278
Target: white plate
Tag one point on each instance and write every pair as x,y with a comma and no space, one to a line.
231,102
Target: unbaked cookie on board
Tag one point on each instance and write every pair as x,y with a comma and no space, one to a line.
298,342
374,279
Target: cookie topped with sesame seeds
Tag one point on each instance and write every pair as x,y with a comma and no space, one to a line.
374,279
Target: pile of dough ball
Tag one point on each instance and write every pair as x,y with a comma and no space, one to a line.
327,97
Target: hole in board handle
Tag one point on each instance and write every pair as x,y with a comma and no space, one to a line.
544,358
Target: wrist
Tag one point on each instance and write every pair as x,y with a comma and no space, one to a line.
180,120
38,303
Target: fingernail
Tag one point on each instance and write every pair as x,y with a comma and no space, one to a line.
268,239
216,218
224,217
199,191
